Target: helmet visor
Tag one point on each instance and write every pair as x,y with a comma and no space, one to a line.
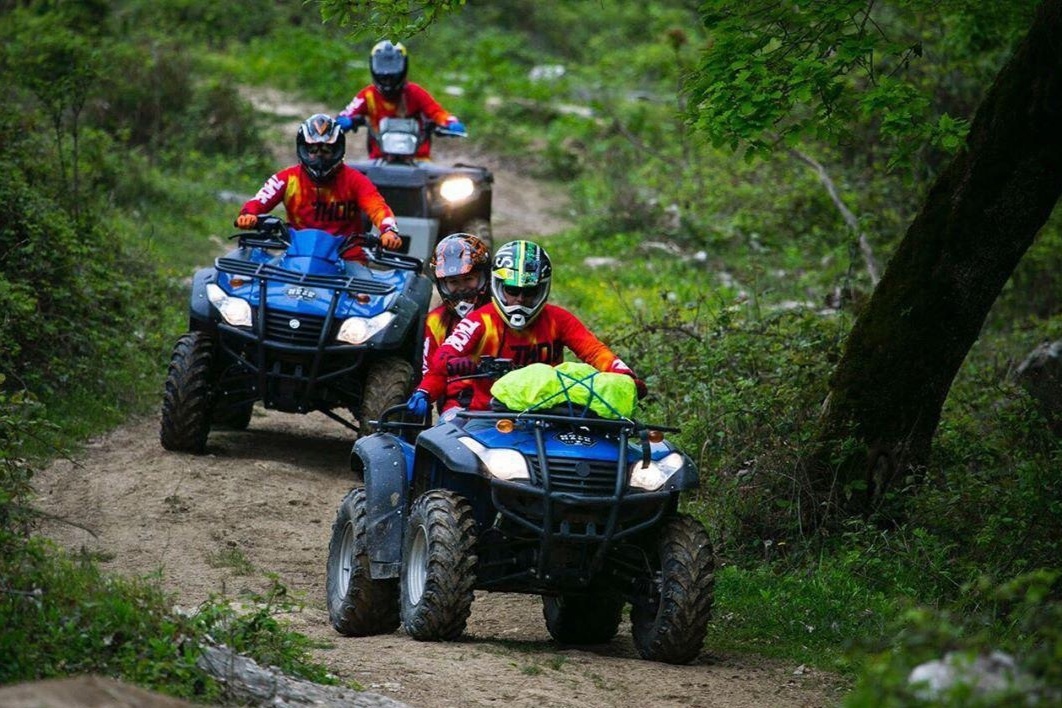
528,293
388,71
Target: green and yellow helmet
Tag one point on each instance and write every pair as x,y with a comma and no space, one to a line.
520,282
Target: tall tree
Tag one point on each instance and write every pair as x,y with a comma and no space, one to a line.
976,223
786,70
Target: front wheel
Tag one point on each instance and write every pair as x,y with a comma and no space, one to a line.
188,401
357,605
438,566
670,623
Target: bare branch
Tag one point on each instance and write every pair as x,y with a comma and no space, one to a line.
873,269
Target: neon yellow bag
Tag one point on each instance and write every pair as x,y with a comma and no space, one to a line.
539,386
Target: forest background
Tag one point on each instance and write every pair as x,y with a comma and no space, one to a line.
743,246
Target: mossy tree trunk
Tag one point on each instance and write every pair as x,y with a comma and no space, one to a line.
979,218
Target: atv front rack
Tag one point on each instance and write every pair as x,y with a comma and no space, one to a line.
265,271
553,495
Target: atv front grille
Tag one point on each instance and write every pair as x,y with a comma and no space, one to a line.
404,201
298,330
578,476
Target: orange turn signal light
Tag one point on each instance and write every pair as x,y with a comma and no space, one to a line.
504,426
237,282
362,298
656,436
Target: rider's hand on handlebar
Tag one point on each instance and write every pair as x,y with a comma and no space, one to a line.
344,122
455,125
391,240
460,366
246,221
418,404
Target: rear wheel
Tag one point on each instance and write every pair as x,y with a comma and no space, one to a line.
188,400
669,625
357,604
438,566
386,384
582,619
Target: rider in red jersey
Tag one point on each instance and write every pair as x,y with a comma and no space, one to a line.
323,193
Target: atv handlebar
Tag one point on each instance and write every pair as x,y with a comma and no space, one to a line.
388,422
373,245
269,232
436,129
489,367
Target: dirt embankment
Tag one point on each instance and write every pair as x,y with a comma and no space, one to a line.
261,502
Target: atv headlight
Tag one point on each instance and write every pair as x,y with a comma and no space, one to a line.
358,330
456,189
236,311
501,463
657,473
394,143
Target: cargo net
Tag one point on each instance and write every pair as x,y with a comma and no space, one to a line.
577,389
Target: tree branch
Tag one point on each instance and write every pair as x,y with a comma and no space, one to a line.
864,244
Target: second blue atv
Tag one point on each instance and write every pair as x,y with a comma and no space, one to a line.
563,503
282,319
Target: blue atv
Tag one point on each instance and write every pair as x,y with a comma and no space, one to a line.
563,503
282,319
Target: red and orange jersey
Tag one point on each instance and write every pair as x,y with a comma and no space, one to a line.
413,103
437,327
484,333
337,206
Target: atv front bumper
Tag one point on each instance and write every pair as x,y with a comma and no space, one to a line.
290,376
573,534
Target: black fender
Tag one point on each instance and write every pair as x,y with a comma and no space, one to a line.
409,308
200,315
382,464
687,477
439,444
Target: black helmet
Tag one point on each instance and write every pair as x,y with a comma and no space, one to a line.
320,145
456,255
519,282
388,64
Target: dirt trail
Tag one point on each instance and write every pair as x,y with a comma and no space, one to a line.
262,501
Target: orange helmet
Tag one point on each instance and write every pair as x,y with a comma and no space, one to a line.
459,255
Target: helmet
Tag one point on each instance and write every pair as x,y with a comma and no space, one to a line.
388,64
461,254
519,282
320,145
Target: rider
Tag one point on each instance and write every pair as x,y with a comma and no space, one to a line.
518,324
461,269
391,95
321,192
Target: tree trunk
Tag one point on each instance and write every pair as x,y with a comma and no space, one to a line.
979,218
249,684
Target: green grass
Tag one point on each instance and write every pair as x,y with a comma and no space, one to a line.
805,616
231,558
61,616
